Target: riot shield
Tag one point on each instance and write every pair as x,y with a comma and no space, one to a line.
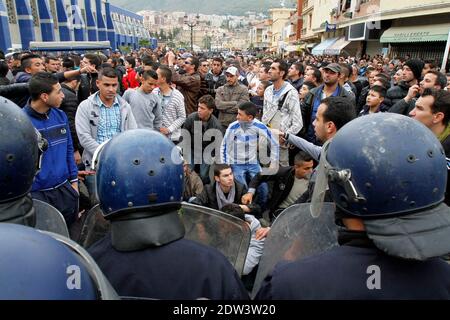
105,289
295,235
48,218
95,227
226,233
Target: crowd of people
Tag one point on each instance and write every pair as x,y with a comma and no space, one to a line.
251,131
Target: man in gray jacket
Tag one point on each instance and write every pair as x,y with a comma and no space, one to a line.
100,117
282,106
230,96
146,106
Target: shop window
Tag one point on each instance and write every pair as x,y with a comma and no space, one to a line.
11,11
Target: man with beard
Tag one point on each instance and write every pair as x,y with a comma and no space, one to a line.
392,231
330,88
431,80
282,106
412,74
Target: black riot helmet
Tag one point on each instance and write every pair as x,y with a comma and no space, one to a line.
21,147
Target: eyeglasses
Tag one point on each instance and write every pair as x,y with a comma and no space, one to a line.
187,62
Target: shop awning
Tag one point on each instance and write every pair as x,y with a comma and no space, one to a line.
319,49
336,48
417,33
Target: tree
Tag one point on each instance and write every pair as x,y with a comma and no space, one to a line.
184,44
176,32
125,49
171,44
207,40
144,43
162,35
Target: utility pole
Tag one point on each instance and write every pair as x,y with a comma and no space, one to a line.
191,25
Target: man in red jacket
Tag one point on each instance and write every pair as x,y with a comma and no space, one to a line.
129,80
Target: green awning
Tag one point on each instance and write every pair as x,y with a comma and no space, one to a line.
425,33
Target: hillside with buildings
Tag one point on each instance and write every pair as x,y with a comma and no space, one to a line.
232,7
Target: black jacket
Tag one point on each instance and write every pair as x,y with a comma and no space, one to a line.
214,85
4,81
403,107
16,92
397,93
283,182
347,272
121,71
362,99
446,146
213,123
358,86
182,269
297,84
208,197
366,110
69,106
307,106
204,89
88,86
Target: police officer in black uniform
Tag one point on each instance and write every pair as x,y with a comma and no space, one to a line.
139,184
20,149
387,175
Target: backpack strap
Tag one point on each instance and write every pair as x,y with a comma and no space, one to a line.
282,100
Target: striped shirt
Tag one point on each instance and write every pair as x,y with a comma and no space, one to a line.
173,112
109,122
241,146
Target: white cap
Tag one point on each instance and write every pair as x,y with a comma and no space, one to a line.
232,70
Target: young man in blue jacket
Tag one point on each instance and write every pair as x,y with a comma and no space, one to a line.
57,182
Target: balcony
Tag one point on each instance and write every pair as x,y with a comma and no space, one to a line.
366,8
307,6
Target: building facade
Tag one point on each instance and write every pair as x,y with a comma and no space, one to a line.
23,21
259,35
307,35
280,17
394,28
